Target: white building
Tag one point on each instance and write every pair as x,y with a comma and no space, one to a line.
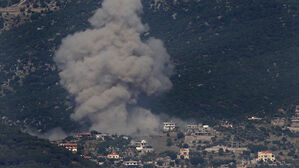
143,146
254,118
100,137
169,126
225,148
206,127
73,147
131,163
205,130
192,126
295,121
140,145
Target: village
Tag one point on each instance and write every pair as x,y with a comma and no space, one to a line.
258,143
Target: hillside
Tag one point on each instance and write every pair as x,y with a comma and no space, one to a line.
233,59
30,90
14,13
19,150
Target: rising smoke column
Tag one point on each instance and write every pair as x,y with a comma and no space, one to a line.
108,66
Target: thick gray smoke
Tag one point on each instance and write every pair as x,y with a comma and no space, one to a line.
108,66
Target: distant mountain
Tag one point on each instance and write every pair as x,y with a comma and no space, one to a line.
233,59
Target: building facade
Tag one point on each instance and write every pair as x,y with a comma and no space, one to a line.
266,156
130,163
113,156
73,147
184,153
169,126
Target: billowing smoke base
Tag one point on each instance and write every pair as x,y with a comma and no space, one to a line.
108,66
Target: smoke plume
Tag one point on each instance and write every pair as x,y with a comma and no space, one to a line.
108,66
53,134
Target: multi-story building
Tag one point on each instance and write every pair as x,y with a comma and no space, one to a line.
73,147
140,145
144,147
191,128
295,121
169,126
131,163
205,130
265,156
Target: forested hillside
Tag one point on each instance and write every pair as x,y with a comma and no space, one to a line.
30,90
19,150
233,59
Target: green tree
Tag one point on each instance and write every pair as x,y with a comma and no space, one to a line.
180,135
220,151
171,154
196,159
169,142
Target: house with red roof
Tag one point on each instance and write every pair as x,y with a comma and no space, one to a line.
265,156
184,153
113,156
